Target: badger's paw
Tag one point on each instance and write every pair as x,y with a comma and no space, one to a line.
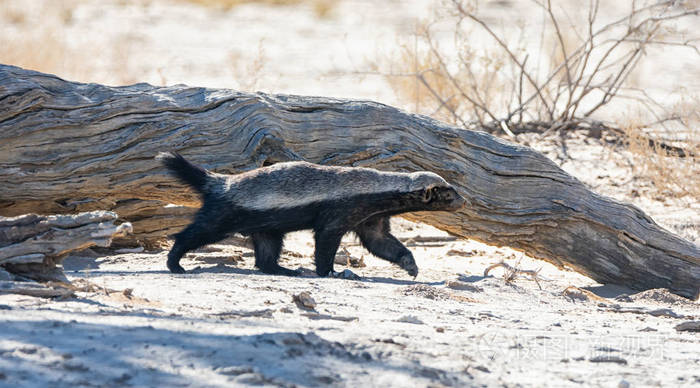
409,264
175,268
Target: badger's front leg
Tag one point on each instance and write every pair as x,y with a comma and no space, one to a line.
375,235
327,243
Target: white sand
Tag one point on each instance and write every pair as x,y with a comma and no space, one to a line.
226,323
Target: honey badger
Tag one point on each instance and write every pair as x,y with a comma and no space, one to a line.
268,202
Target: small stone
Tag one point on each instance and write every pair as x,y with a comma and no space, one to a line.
410,319
689,326
325,379
123,378
623,298
623,384
304,300
440,329
606,358
75,366
459,285
234,370
250,379
664,312
345,274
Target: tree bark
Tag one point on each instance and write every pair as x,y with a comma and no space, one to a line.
32,245
67,147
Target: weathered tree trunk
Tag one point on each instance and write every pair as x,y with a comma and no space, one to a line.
67,146
31,245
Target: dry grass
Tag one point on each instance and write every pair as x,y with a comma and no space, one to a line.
421,91
36,36
249,73
322,8
41,47
670,175
42,44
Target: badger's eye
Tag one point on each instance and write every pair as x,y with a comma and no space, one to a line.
430,194
427,195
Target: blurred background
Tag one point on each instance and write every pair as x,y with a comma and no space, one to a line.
309,47
346,48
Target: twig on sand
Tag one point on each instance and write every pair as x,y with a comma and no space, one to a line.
511,273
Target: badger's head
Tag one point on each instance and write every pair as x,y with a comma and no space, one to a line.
434,193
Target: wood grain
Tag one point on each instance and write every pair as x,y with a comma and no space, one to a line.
67,147
31,245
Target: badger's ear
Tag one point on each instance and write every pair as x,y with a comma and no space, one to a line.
429,194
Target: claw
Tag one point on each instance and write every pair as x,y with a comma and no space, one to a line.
409,265
176,268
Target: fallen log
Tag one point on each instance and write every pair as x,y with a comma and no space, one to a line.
31,245
67,146
35,289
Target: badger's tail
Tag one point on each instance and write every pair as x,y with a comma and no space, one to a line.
185,171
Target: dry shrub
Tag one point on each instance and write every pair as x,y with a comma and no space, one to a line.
480,72
555,74
448,88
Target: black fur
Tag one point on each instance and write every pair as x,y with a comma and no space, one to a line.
365,214
186,172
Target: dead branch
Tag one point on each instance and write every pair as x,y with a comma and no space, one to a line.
511,273
519,197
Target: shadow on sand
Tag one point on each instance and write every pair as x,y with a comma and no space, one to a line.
69,353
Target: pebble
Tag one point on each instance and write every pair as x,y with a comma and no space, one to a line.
304,300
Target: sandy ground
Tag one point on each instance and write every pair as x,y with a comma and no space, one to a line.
226,324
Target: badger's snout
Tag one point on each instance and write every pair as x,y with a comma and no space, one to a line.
458,202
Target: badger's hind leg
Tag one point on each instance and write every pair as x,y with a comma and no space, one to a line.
268,247
375,235
195,235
